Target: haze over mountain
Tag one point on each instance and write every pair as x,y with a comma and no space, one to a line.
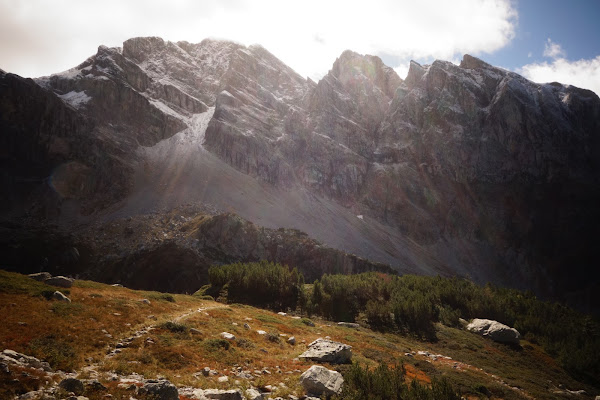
466,170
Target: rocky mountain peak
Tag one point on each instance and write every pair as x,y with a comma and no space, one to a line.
358,72
470,62
140,48
415,72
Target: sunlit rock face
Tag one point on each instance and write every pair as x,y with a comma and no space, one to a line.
467,169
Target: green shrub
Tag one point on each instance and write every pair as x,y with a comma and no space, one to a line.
244,343
273,337
174,327
57,352
385,383
212,345
162,296
262,284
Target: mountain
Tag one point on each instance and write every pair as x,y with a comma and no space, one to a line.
466,170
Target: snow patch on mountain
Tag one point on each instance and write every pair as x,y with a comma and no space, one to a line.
184,144
75,99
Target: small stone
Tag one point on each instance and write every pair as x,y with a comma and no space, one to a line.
227,335
223,379
195,331
146,301
246,326
292,340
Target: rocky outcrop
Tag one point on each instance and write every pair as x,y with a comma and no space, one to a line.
11,357
318,380
495,330
325,350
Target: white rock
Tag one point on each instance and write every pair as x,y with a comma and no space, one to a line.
318,380
60,297
324,350
253,394
227,335
495,330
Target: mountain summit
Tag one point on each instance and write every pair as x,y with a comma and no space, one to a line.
466,170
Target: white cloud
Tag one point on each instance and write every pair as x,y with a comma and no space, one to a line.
553,50
41,37
582,73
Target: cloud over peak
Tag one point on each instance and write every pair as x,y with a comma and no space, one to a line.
308,35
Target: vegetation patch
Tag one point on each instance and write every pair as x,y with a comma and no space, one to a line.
174,327
59,353
390,384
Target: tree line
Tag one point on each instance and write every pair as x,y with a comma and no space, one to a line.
412,305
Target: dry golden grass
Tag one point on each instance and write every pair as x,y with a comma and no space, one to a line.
73,335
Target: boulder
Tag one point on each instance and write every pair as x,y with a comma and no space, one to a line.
325,350
495,330
318,380
253,394
40,276
12,357
352,325
94,385
60,297
59,281
72,385
215,394
161,390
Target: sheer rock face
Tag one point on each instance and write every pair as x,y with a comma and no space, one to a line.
492,175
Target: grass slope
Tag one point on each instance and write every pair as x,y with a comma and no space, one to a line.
183,337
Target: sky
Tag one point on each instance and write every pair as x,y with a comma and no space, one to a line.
544,40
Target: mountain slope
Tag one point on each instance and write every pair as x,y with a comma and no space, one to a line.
468,170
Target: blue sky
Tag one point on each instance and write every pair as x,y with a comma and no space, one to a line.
546,40
574,25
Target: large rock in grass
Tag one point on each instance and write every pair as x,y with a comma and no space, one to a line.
60,281
12,357
212,394
40,276
60,297
72,385
495,330
324,350
318,380
160,390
